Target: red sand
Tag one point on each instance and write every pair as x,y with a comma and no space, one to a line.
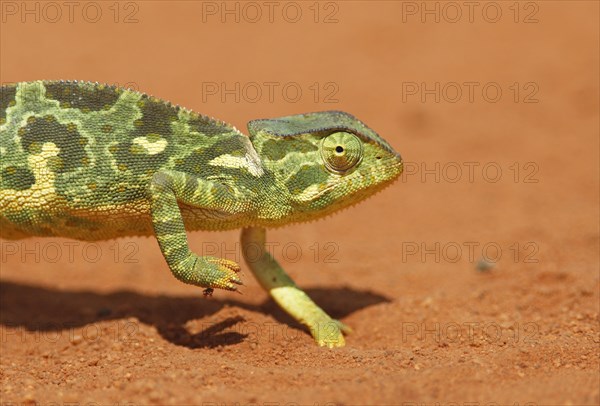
107,323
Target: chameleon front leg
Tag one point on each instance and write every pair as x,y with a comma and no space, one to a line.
166,189
325,330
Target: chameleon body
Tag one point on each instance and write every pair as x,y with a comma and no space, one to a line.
93,162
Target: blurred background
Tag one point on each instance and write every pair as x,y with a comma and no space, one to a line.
472,278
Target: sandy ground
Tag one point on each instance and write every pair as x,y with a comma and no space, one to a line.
497,118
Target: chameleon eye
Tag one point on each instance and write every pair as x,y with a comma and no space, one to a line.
341,151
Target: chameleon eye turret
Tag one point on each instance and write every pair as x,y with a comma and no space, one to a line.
93,162
341,151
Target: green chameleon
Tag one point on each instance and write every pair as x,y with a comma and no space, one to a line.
93,162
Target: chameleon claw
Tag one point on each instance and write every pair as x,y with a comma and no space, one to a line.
231,285
232,288
233,281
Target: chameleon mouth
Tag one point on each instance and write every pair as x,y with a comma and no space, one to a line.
389,172
379,177
388,176
384,176
353,191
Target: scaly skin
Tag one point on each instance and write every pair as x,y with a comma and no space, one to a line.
93,162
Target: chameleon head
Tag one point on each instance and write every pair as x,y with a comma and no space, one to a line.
323,162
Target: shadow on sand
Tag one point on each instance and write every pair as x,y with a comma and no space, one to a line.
43,309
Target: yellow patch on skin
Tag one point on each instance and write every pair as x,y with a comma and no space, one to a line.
42,193
235,162
151,143
313,192
250,161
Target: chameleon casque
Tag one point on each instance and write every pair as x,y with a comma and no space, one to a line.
93,162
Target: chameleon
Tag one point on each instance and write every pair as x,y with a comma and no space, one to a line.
92,162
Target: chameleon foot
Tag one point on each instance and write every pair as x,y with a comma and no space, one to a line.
326,331
330,333
216,273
